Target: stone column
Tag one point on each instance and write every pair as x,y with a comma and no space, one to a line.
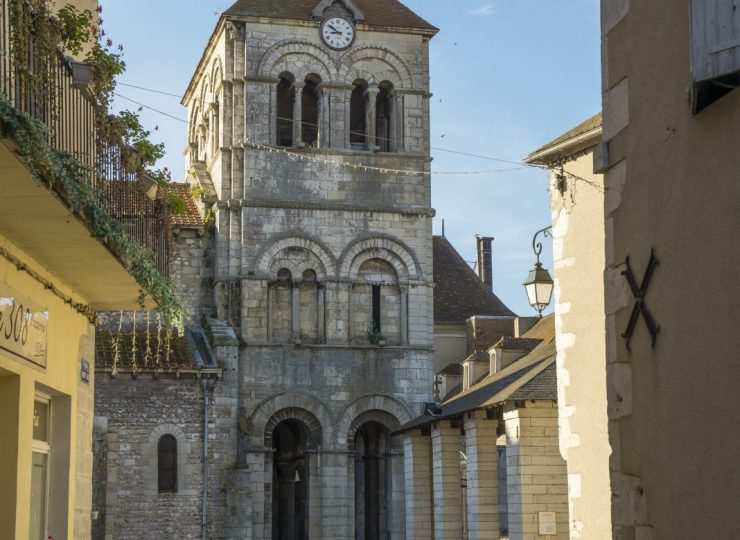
404,316
397,517
321,315
273,116
321,105
482,476
337,498
448,522
393,123
371,123
417,460
347,99
537,477
295,306
298,114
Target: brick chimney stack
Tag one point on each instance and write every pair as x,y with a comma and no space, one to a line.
485,259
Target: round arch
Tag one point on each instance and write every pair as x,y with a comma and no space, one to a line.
349,258
386,409
394,63
314,60
306,408
267,253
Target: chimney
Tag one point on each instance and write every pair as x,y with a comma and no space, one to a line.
485,259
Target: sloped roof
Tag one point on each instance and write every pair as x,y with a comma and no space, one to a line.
191,216
186,351
459,293
390,13
583,136
532,377
517,344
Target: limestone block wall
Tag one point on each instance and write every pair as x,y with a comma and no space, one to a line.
579,261
131,416
191,270
536,472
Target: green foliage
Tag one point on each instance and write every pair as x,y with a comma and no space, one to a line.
373,334
197,192
126,127
75,28
178,204
61,171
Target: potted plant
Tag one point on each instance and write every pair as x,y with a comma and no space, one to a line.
374,336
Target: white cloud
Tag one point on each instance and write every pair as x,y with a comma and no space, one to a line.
483,11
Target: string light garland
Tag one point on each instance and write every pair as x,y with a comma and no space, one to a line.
382,170
83,309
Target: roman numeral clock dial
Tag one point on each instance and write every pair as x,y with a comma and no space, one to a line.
337,33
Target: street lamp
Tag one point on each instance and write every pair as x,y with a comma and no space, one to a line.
539,284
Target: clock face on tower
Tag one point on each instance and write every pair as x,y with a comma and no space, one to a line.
338,33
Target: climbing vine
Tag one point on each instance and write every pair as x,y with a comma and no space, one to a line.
40,37
61,171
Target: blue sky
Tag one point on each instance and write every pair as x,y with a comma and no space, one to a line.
507,77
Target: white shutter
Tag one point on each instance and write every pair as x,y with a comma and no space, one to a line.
715,36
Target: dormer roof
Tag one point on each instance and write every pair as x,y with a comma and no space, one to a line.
387,13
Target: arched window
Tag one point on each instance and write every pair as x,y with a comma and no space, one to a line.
376,304
310,111
385,125
358,115
309,308
284,110
167,464
281,307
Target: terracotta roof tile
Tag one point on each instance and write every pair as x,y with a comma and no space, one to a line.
459,293
191,217
391,13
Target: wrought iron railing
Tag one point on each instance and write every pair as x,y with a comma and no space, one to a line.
60,100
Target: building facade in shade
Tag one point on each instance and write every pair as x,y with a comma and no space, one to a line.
670,158
309,140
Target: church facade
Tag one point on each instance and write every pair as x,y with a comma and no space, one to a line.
309,155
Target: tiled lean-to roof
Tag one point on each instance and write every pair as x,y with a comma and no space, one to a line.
583,136
458,292
532,377
389,13
191,216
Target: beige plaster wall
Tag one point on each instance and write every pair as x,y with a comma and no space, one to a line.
70,339
672,186
578,253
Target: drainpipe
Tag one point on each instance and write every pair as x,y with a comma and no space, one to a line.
207,385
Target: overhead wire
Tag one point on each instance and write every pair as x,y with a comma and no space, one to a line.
297,155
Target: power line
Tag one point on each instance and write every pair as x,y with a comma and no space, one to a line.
522,165
150,108
447,150
149,90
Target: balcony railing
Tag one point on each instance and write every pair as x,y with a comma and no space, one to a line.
62,103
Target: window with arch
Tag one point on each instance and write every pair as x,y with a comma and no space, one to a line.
311,111
167,464
376,304
284,109
358,114
385,118
281,307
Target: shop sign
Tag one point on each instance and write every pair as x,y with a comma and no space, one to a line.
23,327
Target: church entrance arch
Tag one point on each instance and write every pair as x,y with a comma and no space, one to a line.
290,480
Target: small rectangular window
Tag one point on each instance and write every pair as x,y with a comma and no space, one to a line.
376,308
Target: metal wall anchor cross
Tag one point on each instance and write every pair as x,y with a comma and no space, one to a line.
639,295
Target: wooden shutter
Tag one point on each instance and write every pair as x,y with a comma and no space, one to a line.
715,36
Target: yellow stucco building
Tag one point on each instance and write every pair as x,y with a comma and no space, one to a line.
54,276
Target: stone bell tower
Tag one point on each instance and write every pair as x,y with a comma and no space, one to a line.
309,141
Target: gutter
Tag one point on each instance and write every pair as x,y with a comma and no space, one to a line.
541,157
207,385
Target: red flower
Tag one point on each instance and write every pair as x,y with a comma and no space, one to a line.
99,9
